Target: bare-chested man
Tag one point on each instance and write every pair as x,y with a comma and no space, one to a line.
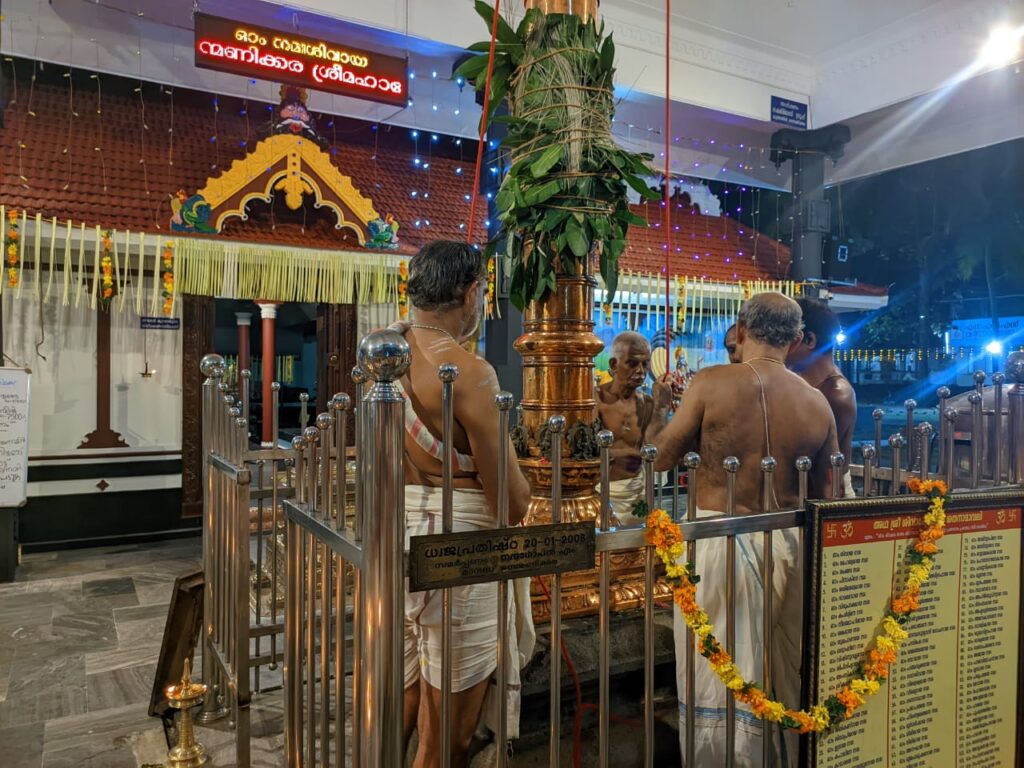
447,288
632,417
731,345
749,411
811,357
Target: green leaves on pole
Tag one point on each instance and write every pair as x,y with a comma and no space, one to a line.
565,191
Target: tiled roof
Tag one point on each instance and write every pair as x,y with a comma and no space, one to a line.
102,179
714,247
112,152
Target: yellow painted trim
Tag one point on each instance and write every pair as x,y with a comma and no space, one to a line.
312,165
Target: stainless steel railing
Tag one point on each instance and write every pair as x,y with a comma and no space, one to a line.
344,609
243,602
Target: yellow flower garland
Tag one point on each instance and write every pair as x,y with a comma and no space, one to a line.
168,278
491,286
403,297
107,269
667,539
11,243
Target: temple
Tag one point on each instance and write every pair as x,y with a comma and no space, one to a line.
237,347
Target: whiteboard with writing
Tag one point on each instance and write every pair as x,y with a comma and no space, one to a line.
14,398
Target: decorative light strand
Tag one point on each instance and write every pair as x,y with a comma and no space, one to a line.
99,131
142,138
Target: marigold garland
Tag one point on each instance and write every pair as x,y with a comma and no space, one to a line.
491,280
168,278
107,270
607,309
403,297
11,246
667,539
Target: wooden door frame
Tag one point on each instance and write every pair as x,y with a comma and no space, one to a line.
337,331
198,321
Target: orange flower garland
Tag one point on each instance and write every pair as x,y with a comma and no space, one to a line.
403,297
607,309
107,269
667,539
11,245
168,278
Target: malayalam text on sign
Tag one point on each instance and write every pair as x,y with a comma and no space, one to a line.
470,557
268,54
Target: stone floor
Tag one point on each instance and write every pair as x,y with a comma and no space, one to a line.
80,634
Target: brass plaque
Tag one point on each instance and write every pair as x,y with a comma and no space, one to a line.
475,557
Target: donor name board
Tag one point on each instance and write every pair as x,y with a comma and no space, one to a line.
473,557
268,54
951,699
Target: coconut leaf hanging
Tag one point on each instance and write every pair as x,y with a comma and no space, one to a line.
565,190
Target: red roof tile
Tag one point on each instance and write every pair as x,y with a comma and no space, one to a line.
715,247
116,155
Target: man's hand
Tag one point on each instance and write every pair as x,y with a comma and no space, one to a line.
626,458
668,389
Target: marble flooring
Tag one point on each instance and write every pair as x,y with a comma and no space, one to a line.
80,634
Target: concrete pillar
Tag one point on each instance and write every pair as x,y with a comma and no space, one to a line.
809,206
810,210
268,313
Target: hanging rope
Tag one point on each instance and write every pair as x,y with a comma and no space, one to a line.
483,124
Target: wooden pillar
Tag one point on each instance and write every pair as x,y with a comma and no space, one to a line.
198,319
336,341
103,436
244,320
268,313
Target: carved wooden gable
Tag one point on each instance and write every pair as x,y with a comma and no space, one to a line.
290,164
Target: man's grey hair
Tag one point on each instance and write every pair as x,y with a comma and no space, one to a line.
772,319
627,339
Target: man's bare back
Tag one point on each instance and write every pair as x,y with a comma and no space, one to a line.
843,401
473,399
721,415
811,357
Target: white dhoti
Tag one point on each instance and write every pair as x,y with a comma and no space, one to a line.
474,612
848,491
622,495
710,698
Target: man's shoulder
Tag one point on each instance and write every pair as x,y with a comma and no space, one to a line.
713,373
839,392
474,371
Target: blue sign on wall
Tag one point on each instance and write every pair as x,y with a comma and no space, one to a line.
788,112
160,323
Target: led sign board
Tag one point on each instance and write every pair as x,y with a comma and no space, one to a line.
268,54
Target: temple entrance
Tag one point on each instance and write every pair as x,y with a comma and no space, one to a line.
314,353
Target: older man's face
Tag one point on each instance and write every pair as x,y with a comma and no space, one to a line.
631,365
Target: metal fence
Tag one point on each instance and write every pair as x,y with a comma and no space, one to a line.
243,524
344,610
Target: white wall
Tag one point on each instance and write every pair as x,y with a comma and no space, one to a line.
145,411
370,317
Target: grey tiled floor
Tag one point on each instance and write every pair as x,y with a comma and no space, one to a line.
80,634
